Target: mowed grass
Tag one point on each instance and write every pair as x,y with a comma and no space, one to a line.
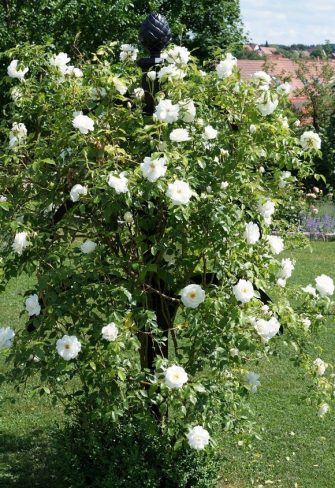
296,449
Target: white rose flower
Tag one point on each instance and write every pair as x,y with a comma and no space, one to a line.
187,110
287,266
251,233
310,290
6,337
32,305
71,70
225,68
310,140
178,55
139,93
166,111
306,323
128,217
224,185
20,242
128,52
284,88
18,134
276,244
267,329
84,123
266,106
210,132
179,192
170,73
120,86
60,61
323,409
260,77
283,178
110,332
68,347
252,129
253,380
321,366
175,377
3,198
281,282
266,209
234,352
152,75
179,135
243,291
192,296
198,438
77,191
88,246
13,72
120,184
297,123
152,169
324,285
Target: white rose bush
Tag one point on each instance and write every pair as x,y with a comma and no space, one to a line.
97,194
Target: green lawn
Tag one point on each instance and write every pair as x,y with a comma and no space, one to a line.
297,449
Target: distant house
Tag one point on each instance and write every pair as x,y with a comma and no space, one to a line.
283,69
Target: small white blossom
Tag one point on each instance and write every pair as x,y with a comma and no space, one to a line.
139,93
320,366
192,296
18,134
170,73
210,132
3,198
175,377
323,409
225,68
166,111
266,210
267,329
306,323
179,192
88,246
224,185
198,438
128,52
32,305
60,61
178,55
68,347
276,244
187,110
324,285
76,192
310,140
20,242
285,175
251,233
252,129
297,123
119,183
253,380
128,217
152,169
233,352
266,105
13,72
76,72
152,75
281,282
120,86
243,291
287,266
110,332
84,123
179,135
310,290
6,337
262,78
284,88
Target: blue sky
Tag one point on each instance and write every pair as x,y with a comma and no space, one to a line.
289,21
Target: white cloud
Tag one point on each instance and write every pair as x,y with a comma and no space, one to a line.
289,21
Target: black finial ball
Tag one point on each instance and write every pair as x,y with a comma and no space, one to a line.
155,33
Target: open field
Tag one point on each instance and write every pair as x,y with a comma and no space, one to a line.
296,449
